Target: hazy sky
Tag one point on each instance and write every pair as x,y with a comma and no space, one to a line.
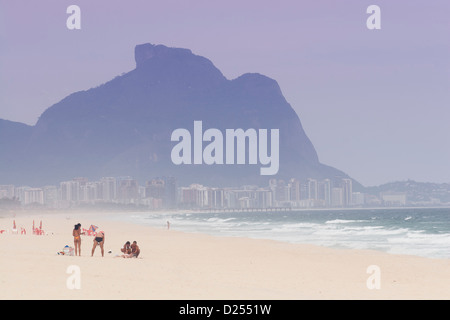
375,103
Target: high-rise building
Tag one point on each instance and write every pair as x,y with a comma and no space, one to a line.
337,199
80,184
19,193
127,190
358,199
33,196
70,191
294,190
162,188
195,195
216,197
171,192
280,191
325,192
6,191
50,196
108,188
312,189
91,192
264,198
347,192
155,188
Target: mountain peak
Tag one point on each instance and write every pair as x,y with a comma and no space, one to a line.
172,66
146,51
124,126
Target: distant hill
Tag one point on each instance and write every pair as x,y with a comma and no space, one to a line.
416,192
123,127
13,154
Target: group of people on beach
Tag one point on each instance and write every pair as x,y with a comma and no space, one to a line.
129,250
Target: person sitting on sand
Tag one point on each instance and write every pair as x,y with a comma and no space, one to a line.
99,240
126,248
77,238
135,251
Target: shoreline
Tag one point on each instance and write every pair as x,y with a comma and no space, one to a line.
177,265
93,210
121,216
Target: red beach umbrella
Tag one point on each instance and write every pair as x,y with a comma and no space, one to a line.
14,224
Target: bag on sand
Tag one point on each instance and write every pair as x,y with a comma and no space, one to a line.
67,251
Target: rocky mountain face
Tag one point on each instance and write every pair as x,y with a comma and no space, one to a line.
124,127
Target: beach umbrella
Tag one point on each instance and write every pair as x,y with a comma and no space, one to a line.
40,225
14,224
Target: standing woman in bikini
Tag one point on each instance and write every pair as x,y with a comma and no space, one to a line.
77,238
99,240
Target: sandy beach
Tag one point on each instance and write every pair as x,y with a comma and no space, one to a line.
176,265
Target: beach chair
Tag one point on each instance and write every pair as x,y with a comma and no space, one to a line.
38,231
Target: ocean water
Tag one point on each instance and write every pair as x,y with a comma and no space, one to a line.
413,231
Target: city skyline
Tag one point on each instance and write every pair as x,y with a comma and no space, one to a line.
373,106
164,193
